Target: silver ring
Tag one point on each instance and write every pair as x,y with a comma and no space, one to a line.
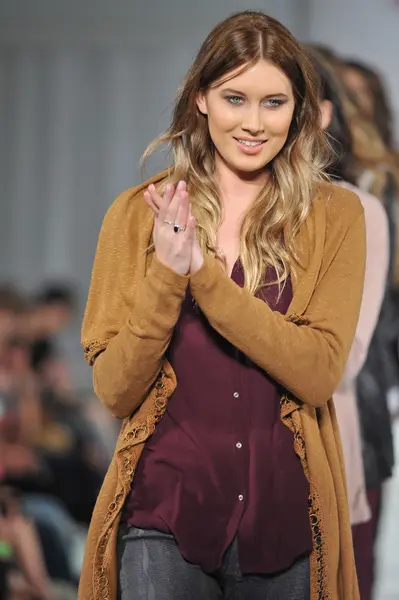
169,223
177,228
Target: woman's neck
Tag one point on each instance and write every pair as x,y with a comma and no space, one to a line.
237,193
238,190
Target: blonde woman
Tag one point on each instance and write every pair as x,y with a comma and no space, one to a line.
378,382
223,304
372,368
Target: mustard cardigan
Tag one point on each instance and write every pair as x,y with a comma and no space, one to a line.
133,305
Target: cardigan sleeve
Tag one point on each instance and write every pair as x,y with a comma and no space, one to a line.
308,359
125,371
125,334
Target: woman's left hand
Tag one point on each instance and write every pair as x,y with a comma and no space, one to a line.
197,257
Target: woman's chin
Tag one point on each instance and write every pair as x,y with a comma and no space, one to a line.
247,171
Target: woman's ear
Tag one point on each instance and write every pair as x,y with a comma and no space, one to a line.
202,103
327,111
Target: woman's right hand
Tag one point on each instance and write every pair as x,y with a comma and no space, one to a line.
172,209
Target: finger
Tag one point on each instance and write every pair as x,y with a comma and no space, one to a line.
182,211
191,225
174,204
191,222
162,202
151,203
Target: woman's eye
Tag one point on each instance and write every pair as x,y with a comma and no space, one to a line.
235,99
274,102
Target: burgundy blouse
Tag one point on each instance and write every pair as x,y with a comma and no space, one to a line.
220,462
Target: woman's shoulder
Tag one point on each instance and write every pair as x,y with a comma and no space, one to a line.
341,205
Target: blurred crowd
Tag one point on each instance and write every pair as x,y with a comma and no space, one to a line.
53,449
55,445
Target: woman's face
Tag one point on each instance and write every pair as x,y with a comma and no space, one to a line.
249,117
358,86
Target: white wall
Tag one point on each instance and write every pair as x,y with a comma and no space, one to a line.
364,29
126,19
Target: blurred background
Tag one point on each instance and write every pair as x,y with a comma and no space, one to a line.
85,85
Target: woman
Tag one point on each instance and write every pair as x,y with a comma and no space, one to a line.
333,106
378,382
219,329
368,89
24,571
369,93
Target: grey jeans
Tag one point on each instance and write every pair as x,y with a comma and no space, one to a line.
152,568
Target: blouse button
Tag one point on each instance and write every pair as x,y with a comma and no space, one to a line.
239,445
236,395
241,497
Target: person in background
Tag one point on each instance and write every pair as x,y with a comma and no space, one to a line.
368,90
25,572
378,381
333,106
68,443
22,564
238,276
24,468
52,309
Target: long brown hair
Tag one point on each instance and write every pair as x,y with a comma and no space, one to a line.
286,199
382,111
343,166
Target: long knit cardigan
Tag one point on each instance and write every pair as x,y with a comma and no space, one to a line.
133,305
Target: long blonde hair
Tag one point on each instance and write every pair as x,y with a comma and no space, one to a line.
376,163
286,199
368,151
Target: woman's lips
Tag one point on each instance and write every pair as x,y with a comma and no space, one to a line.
250,146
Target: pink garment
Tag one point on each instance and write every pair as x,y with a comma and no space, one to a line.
377,242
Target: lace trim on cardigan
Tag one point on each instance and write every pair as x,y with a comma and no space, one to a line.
133,439
319,555
299,319
92,349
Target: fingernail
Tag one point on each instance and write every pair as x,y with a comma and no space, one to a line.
151,187
181,185
168,187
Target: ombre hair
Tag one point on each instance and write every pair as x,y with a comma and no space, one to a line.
285,201
344,164
374,161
